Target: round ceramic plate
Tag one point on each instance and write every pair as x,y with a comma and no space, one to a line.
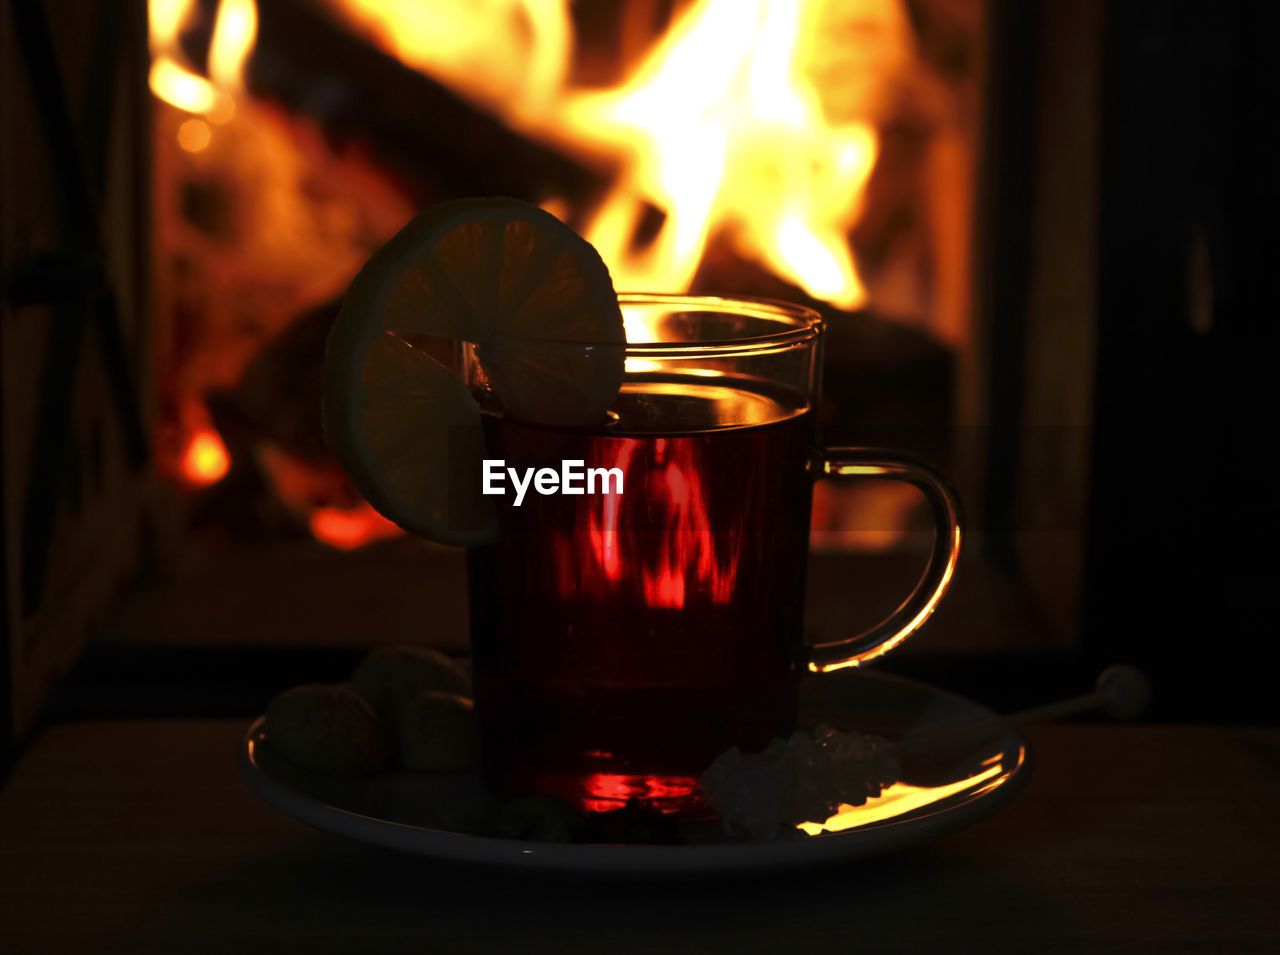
951,788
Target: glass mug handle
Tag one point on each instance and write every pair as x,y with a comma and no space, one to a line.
884,636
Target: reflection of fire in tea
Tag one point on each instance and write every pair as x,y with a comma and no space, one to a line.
636,636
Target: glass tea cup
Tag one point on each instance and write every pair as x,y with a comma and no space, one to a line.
622,641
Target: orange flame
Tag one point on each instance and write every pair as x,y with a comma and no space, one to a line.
178,85
720,128
724,133
205,460
350,528
510,56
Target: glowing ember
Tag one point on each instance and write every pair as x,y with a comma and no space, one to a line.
233,35
194,135
182,89
323,498
350,528
206,460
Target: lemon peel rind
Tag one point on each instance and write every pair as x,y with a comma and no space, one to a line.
352,337
345,437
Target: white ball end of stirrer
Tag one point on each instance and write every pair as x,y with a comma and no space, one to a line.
1125,692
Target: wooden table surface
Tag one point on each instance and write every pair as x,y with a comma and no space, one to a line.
139,837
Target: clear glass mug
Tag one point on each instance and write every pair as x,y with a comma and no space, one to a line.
622,641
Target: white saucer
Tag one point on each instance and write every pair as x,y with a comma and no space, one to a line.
404,811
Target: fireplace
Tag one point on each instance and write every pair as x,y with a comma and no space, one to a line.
948,181
820,153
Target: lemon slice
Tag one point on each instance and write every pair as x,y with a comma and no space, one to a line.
535,299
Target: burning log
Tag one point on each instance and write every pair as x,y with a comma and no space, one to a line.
286,480
438,143
278,396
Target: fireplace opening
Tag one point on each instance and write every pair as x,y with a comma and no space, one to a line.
816,152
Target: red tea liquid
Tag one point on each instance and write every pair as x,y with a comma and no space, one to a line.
623,641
